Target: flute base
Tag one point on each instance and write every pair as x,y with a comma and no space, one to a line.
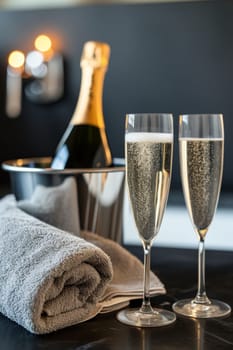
189,308
134,317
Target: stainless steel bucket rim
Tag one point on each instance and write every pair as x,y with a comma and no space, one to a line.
20,165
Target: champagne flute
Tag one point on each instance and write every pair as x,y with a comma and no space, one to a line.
201,145
149,151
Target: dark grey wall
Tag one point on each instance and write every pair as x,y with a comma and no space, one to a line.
165,58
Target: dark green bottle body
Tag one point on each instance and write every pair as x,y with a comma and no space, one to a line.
82,146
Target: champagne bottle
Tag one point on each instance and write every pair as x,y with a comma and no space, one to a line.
84,143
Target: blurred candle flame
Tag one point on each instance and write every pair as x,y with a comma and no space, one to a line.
43,44
44,65
16,60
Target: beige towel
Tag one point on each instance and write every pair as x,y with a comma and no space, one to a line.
127,282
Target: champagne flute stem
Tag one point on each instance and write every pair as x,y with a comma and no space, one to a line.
146,305
201,297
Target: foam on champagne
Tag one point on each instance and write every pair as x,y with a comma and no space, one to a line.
149,137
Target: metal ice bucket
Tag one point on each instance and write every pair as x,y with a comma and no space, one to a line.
100,191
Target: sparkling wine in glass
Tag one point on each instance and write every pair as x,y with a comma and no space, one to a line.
149,151
201,145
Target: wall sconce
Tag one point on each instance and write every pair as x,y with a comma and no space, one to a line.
44,70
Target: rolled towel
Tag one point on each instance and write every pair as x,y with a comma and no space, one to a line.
49,279
127,282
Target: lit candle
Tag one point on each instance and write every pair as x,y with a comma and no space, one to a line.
15,70
54,78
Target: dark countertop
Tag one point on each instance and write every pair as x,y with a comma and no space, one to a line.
177,268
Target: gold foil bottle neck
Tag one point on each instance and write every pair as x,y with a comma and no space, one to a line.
95,54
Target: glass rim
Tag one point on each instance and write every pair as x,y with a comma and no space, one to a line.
201,126
147,114
201,115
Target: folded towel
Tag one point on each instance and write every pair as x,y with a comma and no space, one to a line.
49,279
61,279
127,281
